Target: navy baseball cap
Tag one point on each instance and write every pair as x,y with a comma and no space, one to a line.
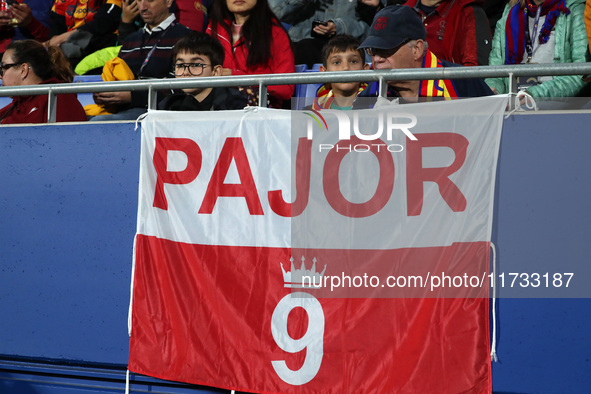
393,26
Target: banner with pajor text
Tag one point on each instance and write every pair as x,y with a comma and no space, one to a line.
317,251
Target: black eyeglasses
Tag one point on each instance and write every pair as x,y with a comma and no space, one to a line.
385,53
6,66
195,69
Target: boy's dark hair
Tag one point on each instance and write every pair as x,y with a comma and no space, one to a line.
341,43
200,44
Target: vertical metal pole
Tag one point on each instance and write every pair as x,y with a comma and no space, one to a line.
152,98
51,106
383,87
512,83
262,94
512,91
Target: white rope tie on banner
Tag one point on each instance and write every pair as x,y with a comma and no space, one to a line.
528,101
493,346
127,382
139,120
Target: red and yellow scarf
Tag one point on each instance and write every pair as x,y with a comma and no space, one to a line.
325,97
436,87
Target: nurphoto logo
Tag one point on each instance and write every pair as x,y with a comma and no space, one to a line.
356,126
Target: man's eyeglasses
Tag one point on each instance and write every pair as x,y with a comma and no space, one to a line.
384,53
195,69
6,66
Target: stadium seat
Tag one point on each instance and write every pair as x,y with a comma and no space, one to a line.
305,93
86,98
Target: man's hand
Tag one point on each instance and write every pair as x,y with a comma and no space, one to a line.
58,40
329,30
22,13
5,18
129,11
112,98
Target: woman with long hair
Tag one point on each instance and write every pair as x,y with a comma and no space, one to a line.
254,42
28,62
540,31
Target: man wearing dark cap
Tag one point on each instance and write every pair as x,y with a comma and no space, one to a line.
397,39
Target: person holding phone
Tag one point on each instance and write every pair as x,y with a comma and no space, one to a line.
22,20
148,53
130,19
316,22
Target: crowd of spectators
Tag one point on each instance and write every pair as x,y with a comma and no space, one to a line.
272,36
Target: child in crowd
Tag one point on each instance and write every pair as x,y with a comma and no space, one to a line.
200,55
340,54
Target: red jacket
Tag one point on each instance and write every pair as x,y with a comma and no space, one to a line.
458,31
33,109
282,60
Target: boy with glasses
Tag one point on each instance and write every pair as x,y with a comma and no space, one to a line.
200,55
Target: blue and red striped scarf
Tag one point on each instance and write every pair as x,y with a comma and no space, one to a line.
515,27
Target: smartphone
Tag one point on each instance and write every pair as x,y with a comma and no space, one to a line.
314,24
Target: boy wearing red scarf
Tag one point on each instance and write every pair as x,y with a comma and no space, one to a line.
340,54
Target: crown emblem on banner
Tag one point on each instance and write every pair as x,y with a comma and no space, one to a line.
302,277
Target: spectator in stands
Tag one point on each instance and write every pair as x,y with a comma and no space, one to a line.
24,21
315,22
148,53
190,13
254,42
28,62
457,30
200,55
82,27
340,54
555,34
397,40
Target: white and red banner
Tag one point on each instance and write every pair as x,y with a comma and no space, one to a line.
388,211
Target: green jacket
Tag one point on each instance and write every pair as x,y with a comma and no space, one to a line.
571,47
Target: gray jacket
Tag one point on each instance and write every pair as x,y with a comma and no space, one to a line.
301,13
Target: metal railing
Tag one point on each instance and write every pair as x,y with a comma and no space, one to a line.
264,80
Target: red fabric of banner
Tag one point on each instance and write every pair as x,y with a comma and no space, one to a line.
204,314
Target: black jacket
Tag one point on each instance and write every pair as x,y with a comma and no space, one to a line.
218,100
